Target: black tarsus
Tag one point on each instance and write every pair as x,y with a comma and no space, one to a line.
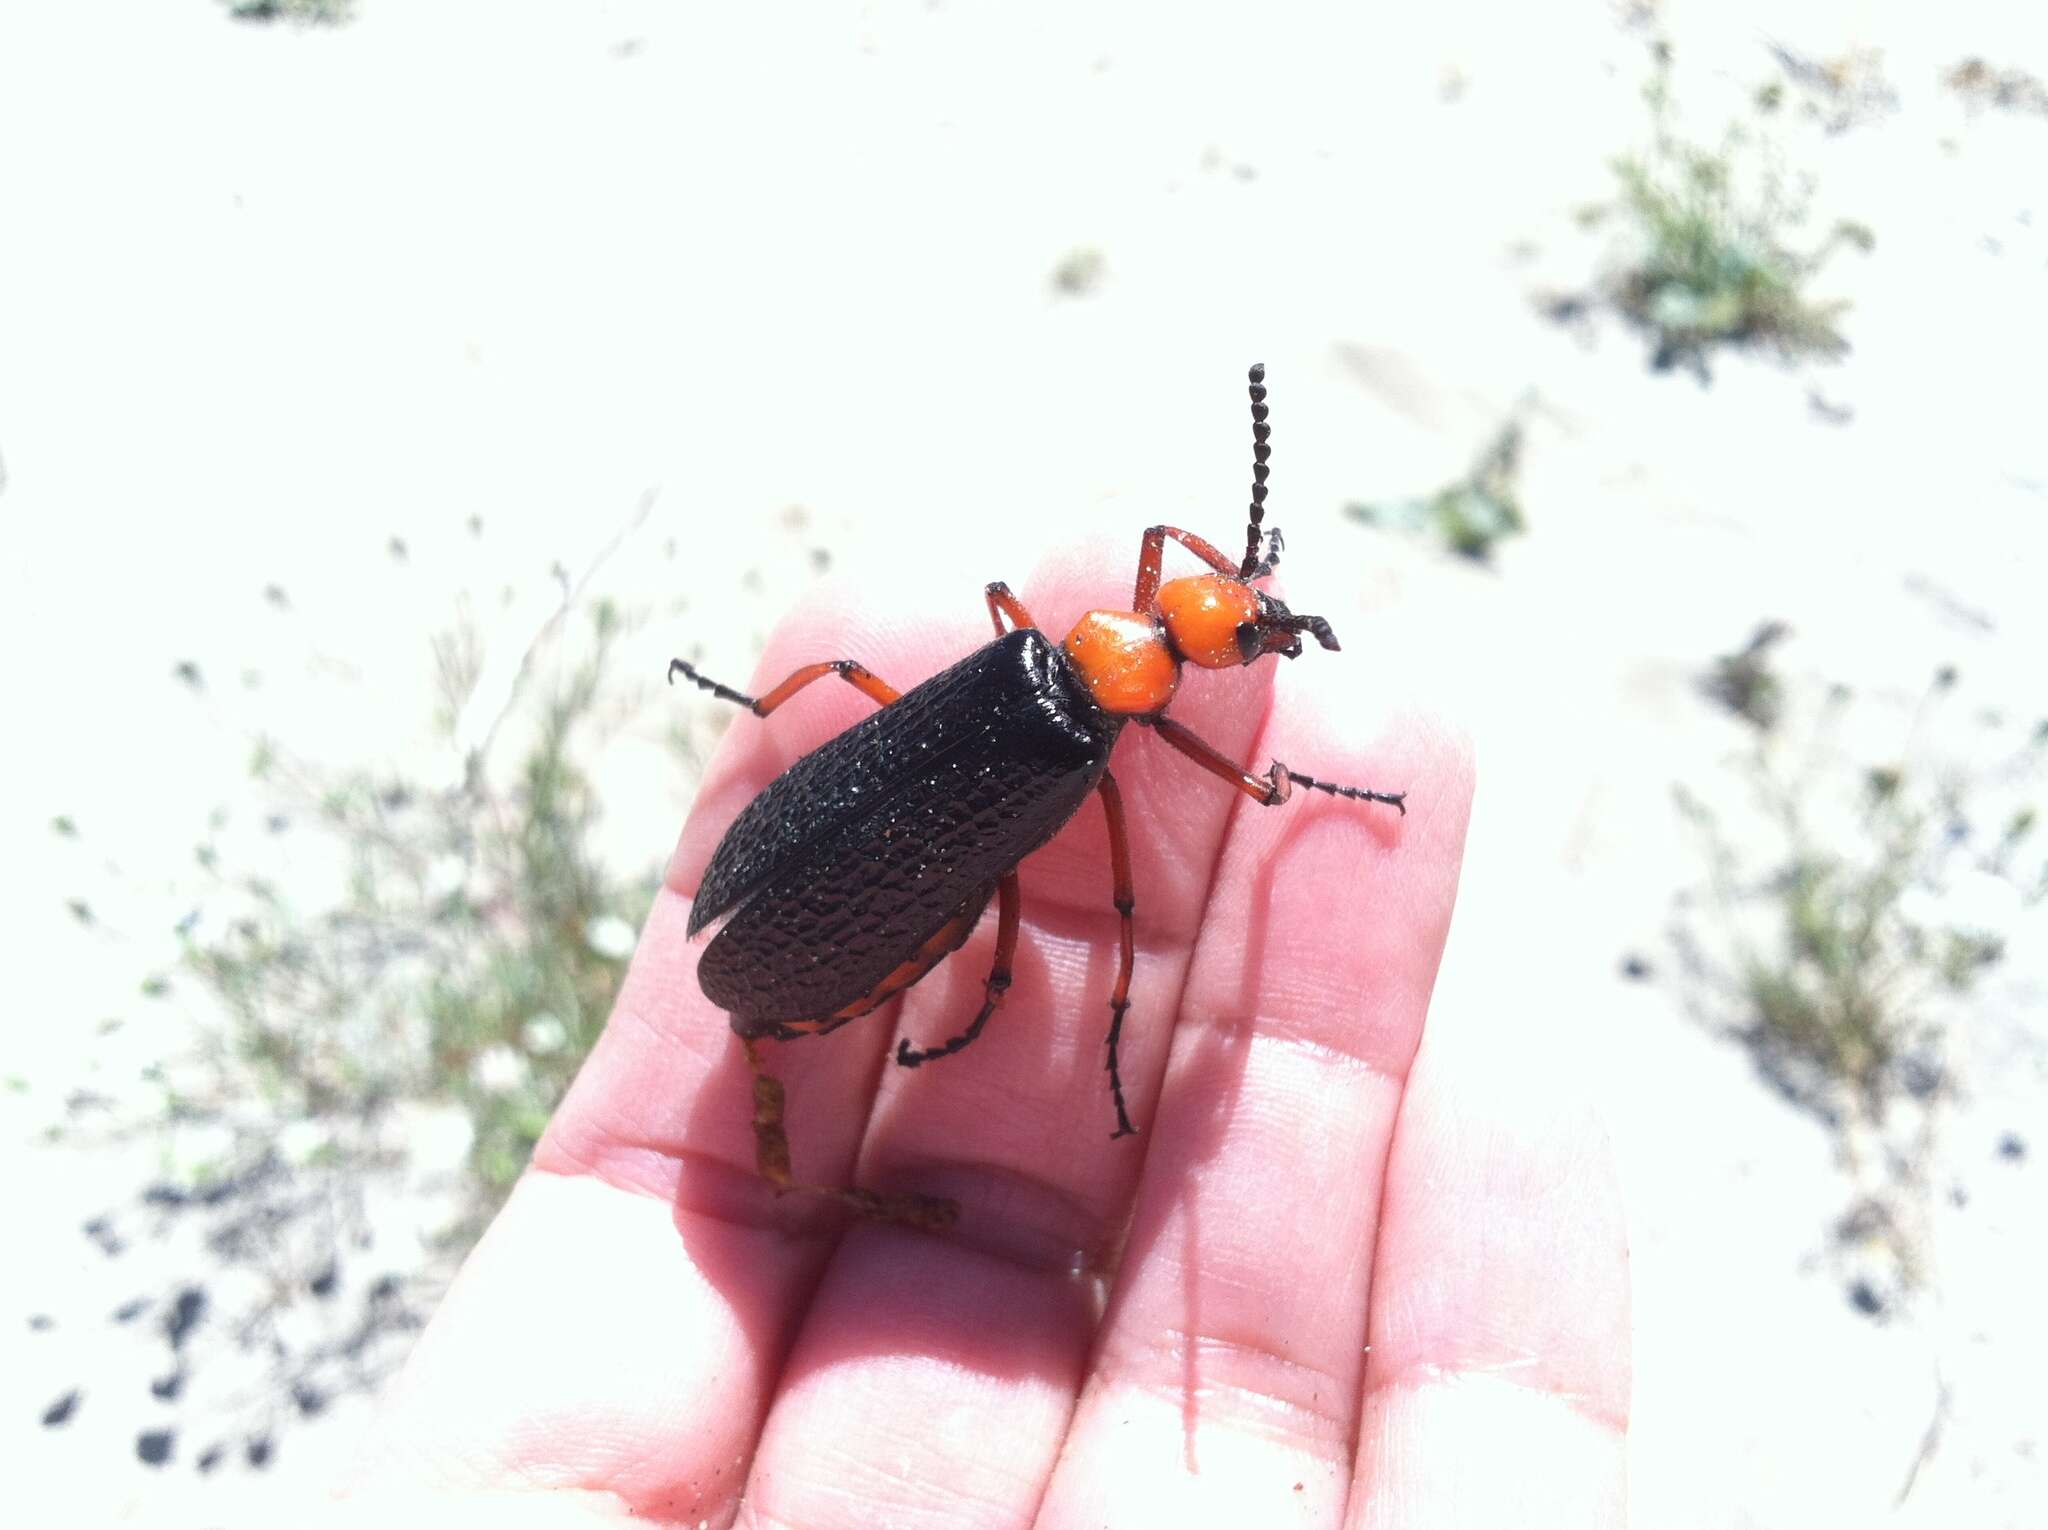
1116,1075
1398,800
1008,913
706,683
1262,437
908,1056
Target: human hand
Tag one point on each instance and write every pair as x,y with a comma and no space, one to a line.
1341,1276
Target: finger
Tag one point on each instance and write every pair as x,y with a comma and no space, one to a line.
934,1377
1498,1380
1225,1386
622,1324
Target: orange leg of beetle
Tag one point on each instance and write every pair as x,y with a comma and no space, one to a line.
1127,954
1009,916
771,1157
1276,785
859,676
1002,603
771,1133
1153,548
1254,566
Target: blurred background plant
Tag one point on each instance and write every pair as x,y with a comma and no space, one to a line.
1746,682
321,13
1470,515
2012,90
474,956
389,999
1080,272
1705,252
1842,949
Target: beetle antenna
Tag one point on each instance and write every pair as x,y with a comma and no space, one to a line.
1262,436
1315,627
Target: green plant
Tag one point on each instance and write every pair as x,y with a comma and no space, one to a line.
388,978
1860,915
1745,683
1469,515
1706,257
473,955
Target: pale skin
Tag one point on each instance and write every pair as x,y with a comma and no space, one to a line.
1346,1274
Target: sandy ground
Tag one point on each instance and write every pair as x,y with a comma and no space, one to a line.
271,298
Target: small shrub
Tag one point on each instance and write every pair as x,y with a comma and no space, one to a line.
1852,945
390,981
1473,513
1706,256
474,954
1745,683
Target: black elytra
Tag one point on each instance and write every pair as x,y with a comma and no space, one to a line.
872,843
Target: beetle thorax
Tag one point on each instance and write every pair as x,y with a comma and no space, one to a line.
1126,661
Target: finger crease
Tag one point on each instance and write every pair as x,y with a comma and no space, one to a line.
1278,1396
1421,1376
1307,1037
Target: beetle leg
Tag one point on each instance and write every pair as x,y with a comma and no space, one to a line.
1009,914
1153,548
1002,603
771,1140
1126,906
771,1135
771,1158
1276,785
859,676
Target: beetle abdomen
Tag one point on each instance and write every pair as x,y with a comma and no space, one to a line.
860,852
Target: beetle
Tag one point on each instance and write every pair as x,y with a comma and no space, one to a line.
871,859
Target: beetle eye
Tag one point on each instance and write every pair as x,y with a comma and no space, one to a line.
1250,640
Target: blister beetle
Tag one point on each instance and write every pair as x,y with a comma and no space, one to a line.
871,859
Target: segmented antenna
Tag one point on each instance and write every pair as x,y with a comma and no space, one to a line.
1262,437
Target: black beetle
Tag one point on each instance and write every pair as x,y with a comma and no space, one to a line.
871,859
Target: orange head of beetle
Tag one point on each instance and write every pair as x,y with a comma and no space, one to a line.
1220,622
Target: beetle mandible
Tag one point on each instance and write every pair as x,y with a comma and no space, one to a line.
870,860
